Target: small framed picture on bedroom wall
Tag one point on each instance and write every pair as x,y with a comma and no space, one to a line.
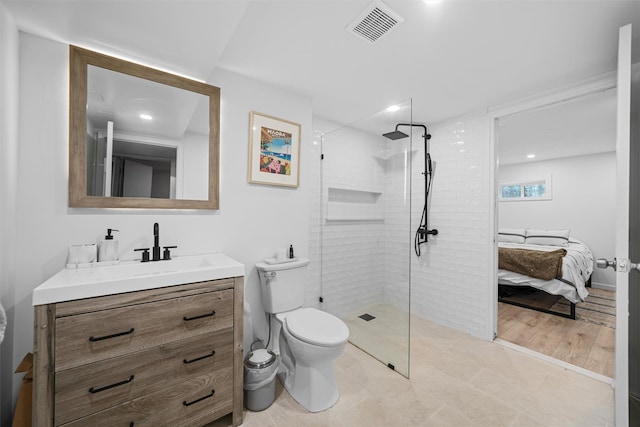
274,151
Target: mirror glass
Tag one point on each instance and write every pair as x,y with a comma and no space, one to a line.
144,138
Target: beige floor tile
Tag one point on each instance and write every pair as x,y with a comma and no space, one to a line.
389,314
386,337
545,404
369,373
250,419
366,413
257,419
456,381
449,417
351,392
456,362
520,367
526,421
589,406
402,409
285,411
440,388
506,388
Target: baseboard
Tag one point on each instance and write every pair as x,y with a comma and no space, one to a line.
605,286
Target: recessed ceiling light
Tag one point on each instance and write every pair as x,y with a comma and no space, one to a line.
146,116
531,156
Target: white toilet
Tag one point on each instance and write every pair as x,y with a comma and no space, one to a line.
307,340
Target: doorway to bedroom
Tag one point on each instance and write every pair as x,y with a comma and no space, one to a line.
556,215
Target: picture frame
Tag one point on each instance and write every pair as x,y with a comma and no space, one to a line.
274,151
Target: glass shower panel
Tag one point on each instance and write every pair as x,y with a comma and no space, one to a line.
365,232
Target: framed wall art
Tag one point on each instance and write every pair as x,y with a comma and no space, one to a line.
274,151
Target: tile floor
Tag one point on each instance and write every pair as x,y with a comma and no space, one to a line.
456,381
386,337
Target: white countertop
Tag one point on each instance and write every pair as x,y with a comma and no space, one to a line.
130,276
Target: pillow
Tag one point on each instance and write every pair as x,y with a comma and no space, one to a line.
511,235
547,237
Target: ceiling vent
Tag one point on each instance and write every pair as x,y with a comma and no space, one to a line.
374,22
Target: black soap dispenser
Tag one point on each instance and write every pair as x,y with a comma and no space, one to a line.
291,251
108,248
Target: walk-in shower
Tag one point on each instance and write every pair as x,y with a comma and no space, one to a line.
365,232
423,231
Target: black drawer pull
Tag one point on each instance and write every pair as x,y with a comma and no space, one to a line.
119,334
107,387
213,313
131,424
200,358
185,403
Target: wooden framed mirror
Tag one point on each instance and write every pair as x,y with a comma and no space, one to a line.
140,138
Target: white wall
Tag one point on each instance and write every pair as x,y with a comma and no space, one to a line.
402,155
8,194
583,202
354,250
252,222
195,176
451,281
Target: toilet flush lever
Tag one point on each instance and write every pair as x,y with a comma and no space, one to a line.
270,274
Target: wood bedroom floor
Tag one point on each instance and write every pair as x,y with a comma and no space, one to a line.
577,342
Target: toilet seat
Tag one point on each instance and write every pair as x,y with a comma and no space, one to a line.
316,327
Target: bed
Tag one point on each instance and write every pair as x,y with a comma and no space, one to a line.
549,246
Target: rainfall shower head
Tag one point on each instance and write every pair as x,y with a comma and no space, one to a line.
396,134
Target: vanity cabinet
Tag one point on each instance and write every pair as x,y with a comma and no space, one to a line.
170,356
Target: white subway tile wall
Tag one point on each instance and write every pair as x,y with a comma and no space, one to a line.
352,273
398,233
451,280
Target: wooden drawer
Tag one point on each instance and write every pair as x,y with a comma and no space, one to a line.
84,390
91,337
191,403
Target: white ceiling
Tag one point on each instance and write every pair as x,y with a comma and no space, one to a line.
450,58
586,125
121,98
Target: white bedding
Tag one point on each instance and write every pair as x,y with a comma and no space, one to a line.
577,267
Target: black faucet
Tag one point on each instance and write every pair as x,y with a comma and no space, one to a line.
166,256
156,242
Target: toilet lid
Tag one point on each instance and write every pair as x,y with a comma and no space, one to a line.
317,327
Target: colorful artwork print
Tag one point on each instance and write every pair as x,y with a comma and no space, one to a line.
275,151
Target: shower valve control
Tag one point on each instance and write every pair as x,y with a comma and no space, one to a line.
423,232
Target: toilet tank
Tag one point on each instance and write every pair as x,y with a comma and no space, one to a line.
282,285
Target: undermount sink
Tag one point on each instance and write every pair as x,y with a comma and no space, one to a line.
73,284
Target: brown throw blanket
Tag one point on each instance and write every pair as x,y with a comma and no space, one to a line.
539,264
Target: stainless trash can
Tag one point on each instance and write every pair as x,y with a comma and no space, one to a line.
260,368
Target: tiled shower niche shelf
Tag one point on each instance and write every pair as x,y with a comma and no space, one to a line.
346,204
